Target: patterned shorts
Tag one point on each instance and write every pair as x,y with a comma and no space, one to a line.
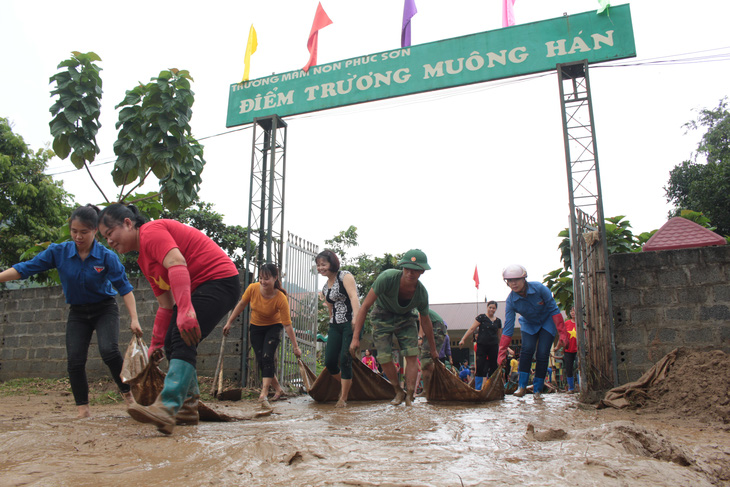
439,335
386,326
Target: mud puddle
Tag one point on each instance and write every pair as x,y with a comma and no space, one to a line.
518,441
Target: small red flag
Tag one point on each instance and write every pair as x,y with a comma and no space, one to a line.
320,22
476,277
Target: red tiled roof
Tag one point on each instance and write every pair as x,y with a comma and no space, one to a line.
680,233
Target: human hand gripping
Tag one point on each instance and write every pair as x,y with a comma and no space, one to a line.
159,329
136,328
562,332
227,328
355,347
187,323
503,346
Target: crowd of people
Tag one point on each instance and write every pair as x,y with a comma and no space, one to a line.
196,284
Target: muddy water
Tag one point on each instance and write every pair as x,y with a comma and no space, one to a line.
368,444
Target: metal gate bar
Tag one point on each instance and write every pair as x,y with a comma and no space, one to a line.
589,258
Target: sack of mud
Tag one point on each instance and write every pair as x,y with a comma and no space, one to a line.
148,384
135,359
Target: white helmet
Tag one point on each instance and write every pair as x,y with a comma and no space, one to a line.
514,271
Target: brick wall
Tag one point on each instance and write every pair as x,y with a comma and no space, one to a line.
667,299
33,335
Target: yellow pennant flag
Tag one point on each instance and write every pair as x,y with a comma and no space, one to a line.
250,49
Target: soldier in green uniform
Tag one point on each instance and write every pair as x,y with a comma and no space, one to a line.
394,294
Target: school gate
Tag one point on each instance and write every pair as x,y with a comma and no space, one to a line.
566,44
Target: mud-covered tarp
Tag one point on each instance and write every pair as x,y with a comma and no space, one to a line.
367,385
148,384
635,393
446,386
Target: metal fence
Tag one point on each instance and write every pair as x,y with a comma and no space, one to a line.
595,332
300,282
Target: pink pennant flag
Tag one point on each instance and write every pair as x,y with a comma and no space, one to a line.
409,10
476,277
320,22
508,13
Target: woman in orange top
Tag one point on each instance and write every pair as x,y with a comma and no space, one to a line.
269,314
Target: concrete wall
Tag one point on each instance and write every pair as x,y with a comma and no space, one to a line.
667,299
33,335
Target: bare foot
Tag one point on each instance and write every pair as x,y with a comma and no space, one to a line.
264,401
409,398
399,397
84,411
128,398
341,404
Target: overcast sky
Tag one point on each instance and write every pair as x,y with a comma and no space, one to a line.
472,176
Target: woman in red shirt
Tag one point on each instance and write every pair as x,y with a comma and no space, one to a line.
195,283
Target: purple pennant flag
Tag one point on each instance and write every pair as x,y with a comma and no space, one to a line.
409,10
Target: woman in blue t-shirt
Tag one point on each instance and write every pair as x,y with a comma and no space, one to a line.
89,274
540,322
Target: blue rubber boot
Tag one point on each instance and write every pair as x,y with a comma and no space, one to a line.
537,385
478,383
161,413
522,384
571,384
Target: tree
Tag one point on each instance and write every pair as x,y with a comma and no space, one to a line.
155,138
705,187
33,207
619,238
154,131
233,239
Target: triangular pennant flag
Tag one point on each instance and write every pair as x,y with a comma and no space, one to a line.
476,277
250,49
320,22
508,13
409,10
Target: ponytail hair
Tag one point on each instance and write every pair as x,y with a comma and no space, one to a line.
272,271
88,215
115,214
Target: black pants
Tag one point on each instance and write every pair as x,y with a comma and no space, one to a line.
83,319
212,300
569,360
264,341
486,359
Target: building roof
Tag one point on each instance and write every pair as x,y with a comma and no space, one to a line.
460,316
680,233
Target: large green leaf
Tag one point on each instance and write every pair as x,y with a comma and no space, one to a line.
61,147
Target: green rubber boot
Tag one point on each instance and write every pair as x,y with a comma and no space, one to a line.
162,412
188,413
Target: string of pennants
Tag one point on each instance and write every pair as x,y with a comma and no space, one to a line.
321,20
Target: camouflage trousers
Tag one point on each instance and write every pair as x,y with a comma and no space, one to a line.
388,326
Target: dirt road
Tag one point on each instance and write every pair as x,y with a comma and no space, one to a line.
367,444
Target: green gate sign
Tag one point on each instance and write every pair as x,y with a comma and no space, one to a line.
475,58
